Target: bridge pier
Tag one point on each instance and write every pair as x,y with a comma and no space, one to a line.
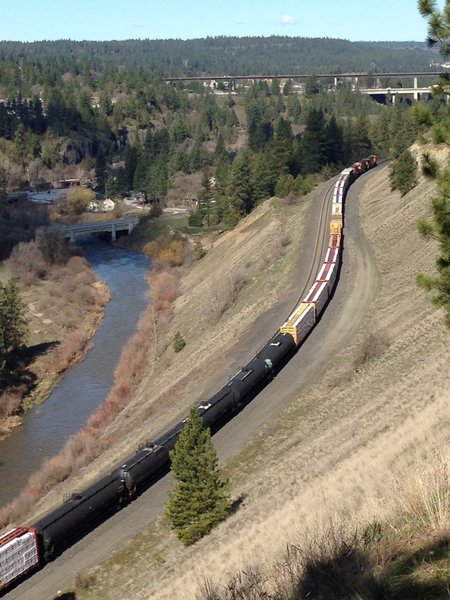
416,94
113,233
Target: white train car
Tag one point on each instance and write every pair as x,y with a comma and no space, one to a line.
19,553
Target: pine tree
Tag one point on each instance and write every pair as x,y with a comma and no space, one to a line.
439,229
240,185
403,173
200,498
3,192
13,326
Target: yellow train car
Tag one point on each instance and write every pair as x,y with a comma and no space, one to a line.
336,226
300,322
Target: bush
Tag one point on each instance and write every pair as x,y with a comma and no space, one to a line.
199,251
178,342
403,173
430,166
167,248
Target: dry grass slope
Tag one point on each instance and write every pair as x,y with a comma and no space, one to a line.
342,446
170,384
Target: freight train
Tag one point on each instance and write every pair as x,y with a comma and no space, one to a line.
24,549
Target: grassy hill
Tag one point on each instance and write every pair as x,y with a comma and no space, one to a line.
352,477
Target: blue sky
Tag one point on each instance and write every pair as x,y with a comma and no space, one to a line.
370,20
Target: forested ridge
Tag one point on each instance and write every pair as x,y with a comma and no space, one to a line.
214,56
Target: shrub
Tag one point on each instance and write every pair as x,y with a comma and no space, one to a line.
430,166
178,342
199,251
28,262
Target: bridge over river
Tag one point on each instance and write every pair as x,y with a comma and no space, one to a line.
113,226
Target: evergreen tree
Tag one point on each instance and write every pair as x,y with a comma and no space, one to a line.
313,145
334,142
439,229
403,172
100,169
13,326
3,192
205,197
240,188
258,126
200,498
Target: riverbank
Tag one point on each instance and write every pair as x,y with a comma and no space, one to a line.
36,454
63,311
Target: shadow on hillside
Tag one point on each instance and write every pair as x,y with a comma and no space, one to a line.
401,579
18,363
350,573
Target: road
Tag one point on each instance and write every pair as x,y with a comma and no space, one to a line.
339,323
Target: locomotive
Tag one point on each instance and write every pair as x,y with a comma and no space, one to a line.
24,549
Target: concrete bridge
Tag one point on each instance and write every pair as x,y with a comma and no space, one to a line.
113,226
381,85
391,92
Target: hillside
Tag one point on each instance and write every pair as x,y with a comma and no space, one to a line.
226,55
375,412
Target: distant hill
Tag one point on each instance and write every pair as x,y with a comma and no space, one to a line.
225,55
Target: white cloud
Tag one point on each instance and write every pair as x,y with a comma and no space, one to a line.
287,19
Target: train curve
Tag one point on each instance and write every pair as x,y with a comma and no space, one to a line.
160,487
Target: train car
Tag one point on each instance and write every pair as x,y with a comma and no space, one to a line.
335,241
218,406
138,471
79,514
328,273
300,322
332,254
250,379
358,168
278,350
318,295
336,211
19,554
170,437
336,226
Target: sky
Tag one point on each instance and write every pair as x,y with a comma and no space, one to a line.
369,20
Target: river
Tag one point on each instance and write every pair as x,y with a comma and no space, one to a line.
85,386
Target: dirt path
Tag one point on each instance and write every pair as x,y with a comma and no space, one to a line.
342,318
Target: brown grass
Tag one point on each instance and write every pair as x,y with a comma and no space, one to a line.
337,446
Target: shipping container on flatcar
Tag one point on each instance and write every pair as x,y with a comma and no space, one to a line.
332,254
19,553
336,226
328,273
335,240
336,210
318,295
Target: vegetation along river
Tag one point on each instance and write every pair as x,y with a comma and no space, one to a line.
85,386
